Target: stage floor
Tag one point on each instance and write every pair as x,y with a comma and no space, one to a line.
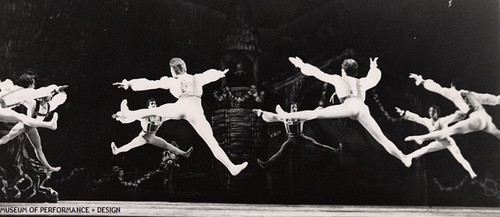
128,208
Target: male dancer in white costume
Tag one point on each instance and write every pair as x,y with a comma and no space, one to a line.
469,104
351,93
436,123
150,126
188,89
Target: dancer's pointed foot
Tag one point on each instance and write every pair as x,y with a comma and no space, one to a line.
473,175
238,168
416,139
188,152
53,169
407,161
262,164
124,115
114,149
53,122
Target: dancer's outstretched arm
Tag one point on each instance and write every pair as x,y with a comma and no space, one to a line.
373,77
310,70
210,75
268,116
18,96
142,84
410,116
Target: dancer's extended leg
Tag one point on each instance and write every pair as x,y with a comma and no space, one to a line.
35,141
372,127
160,142
134,143
334,111
431,147
462,127
492,129
7,115
203,128
13,133
276,156
320,145
455,151
125,115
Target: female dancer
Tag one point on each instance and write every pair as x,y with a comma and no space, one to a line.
351,92
470,105
293,129
188,89
38,109
436,123
150,126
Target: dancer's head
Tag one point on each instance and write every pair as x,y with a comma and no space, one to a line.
434,112
350,67
27,79
293,107
177,67
152,103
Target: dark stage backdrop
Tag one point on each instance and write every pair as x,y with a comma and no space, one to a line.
89,44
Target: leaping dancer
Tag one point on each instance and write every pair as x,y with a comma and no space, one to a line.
11,95
293,129
39,109
470,105
188,89
150,126
436,123
351,93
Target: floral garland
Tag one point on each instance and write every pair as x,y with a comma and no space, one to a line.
381,107
489,189
252,93
72,174
168,162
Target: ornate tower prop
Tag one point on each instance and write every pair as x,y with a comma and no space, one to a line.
240,132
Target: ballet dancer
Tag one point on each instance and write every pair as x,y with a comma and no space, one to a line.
150,126
436,123
469,104
294,129
188,89
351,93
38,109
7,101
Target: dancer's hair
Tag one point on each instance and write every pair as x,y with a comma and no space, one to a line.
350,67
26,79
150,100
436,108
178,65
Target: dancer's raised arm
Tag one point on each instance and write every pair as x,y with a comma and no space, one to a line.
432,86
210,75
310,70
142,84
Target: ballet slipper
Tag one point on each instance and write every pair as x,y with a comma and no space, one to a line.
262,163
114,149
188,152
407,161
416,139
53,125
53,169
238,168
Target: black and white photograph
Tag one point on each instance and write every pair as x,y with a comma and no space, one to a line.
250,107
